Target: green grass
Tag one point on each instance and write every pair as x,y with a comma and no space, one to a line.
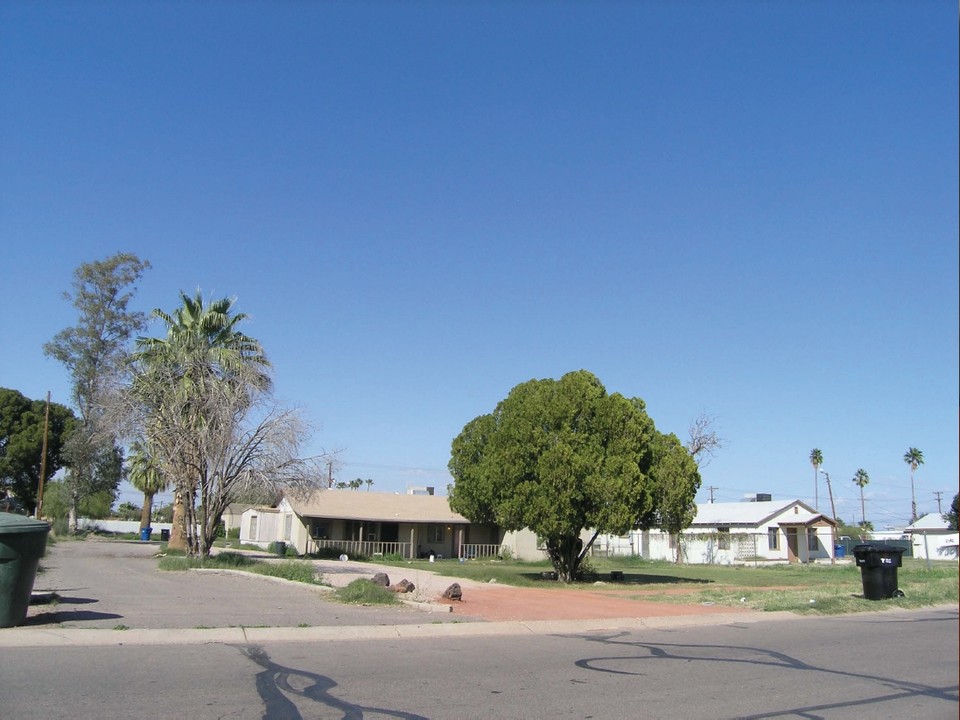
295,570
834,589
365,592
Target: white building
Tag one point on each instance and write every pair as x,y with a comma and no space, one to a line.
727,533
932,538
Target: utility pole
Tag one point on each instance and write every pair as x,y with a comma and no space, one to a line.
329,474
938,493
833,513
43,459
711,489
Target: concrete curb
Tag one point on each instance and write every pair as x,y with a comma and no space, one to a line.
82,637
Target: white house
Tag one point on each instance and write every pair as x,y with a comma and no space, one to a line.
727,533
932,538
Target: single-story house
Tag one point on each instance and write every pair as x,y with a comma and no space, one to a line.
231,516
371,523
727,533
932,538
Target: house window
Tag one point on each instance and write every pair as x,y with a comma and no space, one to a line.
287,527
253,527
812,544
723,538
319,531
773,537
434,533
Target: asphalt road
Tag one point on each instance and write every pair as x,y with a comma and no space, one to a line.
879,665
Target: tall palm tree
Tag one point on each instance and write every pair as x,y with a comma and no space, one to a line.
146,477
201,350
913,458
861,478
816,459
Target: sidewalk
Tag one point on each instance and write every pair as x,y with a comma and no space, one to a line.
98,592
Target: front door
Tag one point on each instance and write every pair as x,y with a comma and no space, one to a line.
793,547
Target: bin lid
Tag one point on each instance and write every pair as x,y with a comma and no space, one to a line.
12,523
878,548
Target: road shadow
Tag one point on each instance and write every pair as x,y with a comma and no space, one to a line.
625,662
280,688
57,617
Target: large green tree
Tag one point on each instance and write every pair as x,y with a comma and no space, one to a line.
562,458
914,458
676,480
21,444
95,352
951,516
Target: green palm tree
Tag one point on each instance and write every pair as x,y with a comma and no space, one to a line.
913,458
816,459
862,479
201,354
146,477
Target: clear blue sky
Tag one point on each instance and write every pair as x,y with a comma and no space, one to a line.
747,209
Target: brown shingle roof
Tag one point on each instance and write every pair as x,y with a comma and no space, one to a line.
385,507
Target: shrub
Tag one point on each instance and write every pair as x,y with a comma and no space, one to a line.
365,592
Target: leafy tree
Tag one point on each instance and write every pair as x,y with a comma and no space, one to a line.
128,511
58,502
355,484
861,479
21,444
951,516
95,351
369,483
560,457
913,458
147,477
816,459
853,530
676,480
203,392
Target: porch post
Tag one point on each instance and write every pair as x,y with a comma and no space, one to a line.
460,543
413,540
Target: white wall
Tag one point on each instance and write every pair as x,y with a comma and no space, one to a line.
121,526
936,546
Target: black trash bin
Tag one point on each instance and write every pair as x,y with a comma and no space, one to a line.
164,535
22,544
878,570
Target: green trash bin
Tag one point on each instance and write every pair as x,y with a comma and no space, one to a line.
22,543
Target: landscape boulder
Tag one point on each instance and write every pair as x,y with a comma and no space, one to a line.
381,579
404,586
454,592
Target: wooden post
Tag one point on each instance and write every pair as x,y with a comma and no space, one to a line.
43,459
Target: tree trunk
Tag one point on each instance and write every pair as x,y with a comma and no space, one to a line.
178,533
72,516
147,511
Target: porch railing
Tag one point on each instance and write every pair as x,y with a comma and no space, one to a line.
481,550
370,548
